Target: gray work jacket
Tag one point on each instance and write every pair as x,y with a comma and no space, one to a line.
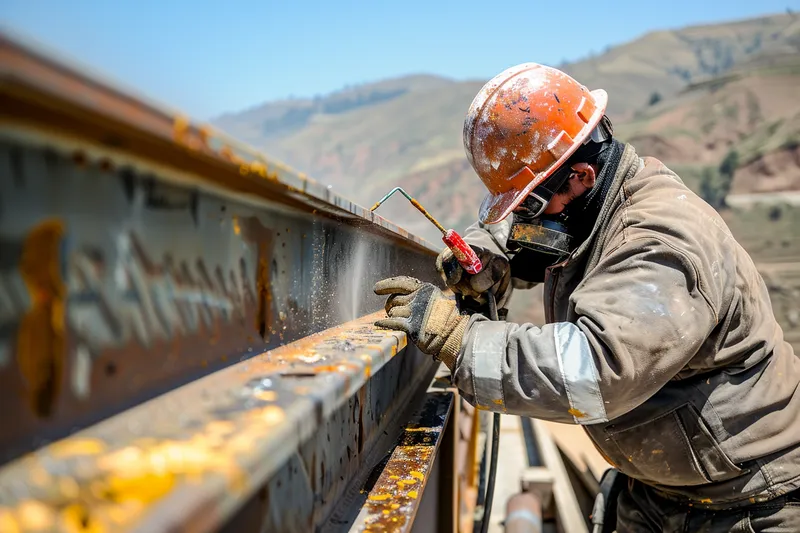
660,341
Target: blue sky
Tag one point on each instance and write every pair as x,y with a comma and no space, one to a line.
207,56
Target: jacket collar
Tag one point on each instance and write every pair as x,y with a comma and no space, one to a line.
629,165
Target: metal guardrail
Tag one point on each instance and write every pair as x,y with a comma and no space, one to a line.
162,293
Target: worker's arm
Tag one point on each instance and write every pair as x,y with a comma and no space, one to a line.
642,315
493,237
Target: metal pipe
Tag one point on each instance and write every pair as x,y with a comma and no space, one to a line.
523,514
414,202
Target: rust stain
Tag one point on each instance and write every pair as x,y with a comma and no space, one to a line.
180,128
41,347
256,233
205,133
576,413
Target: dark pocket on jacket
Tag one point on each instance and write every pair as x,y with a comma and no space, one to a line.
674,449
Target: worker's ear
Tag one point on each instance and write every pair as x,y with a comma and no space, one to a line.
585,173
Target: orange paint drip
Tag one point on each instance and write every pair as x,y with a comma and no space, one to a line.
180,127
576,413
41,345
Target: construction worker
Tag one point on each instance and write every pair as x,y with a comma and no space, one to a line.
660,337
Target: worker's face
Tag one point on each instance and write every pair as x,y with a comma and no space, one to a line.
582,180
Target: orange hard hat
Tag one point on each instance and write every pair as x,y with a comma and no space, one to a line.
521,127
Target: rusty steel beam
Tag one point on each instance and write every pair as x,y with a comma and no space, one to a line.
139,251
268,429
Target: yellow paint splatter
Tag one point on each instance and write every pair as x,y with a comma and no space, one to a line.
237,229
7,522
266,395
576,413
417,474
412,494
144,488
272,415
379,497
656,452
498,402
386,511
75,518
706,500
34,515
394,477
395,506
74,447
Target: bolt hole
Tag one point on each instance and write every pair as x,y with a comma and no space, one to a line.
111,369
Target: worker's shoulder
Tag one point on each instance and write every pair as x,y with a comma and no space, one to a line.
652,172
658,204
657,193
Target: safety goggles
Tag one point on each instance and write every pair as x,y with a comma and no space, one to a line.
534,205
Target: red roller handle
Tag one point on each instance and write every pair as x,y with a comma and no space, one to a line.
465,255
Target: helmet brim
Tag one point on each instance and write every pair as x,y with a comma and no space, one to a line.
496,207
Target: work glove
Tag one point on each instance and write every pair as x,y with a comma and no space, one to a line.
429,317
496,274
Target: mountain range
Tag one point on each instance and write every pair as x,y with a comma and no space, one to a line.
718,103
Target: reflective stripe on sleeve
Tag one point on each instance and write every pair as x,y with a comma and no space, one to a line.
488,350
580,376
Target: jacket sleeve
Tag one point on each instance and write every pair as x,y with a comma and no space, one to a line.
494,237
490,236
641,316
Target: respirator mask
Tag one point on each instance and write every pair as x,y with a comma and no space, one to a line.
545,239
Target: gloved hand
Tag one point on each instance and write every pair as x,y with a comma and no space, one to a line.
426,314
496,274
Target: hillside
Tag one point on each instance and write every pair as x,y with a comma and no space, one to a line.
714,89
665,62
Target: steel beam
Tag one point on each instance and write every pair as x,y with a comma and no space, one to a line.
140,251
290,427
